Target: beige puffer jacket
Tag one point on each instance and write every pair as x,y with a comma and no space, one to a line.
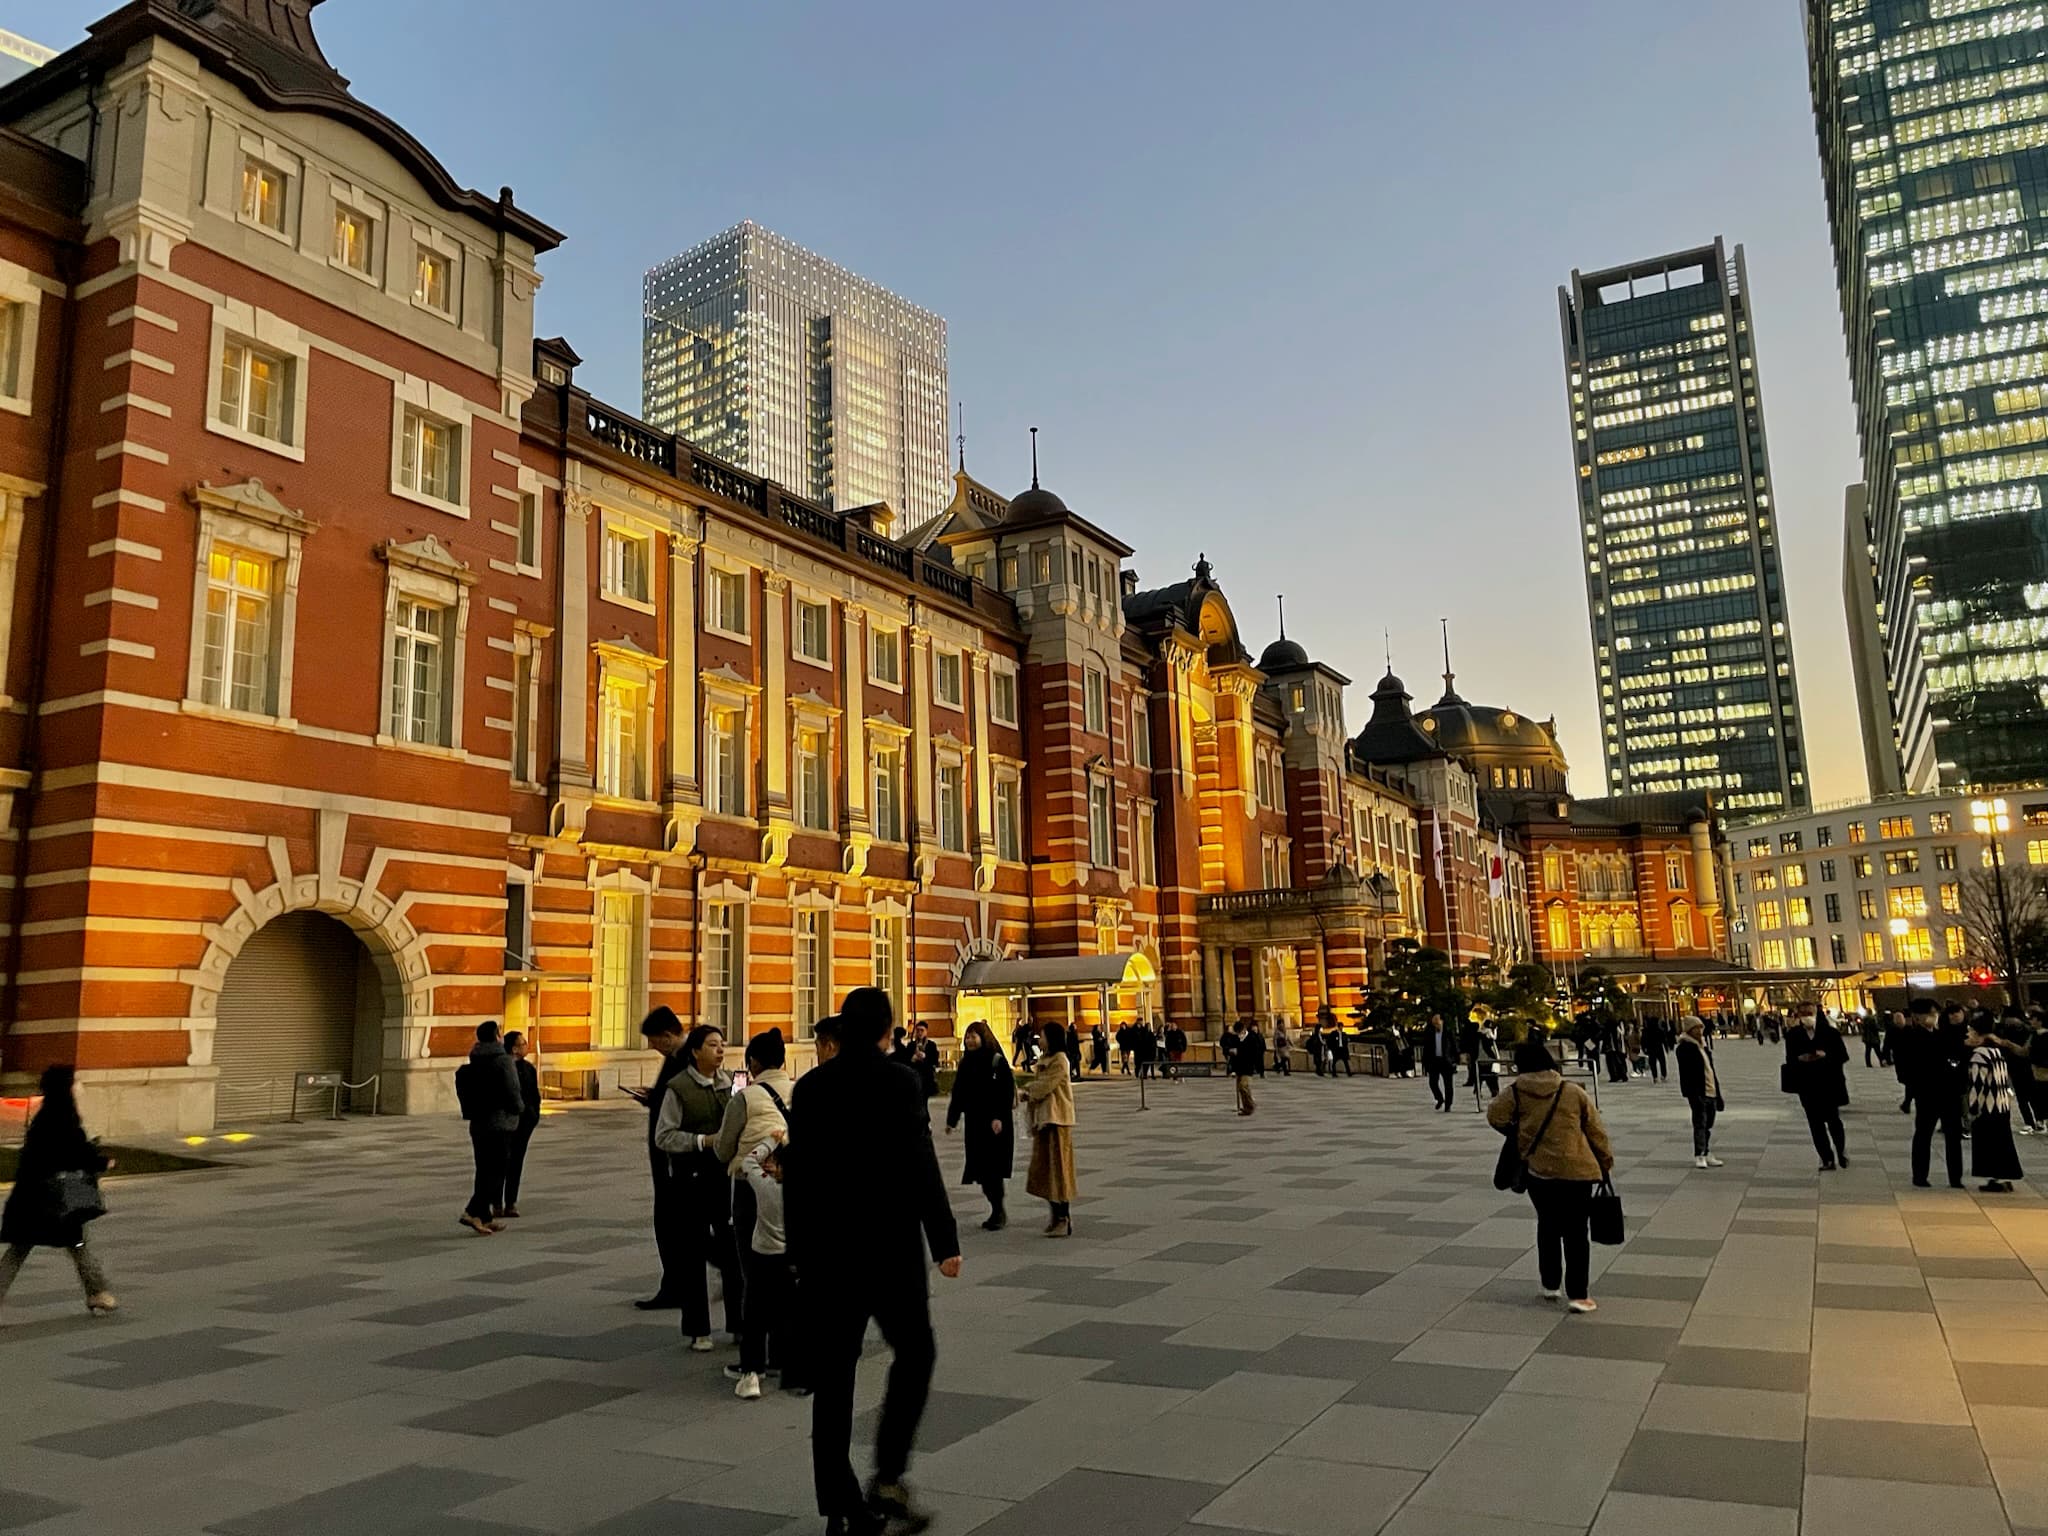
1574,1145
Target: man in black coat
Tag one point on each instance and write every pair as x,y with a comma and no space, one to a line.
529,1121
489,1092
1815,1055
664,1032
1440,1062
1931,1056
923,1059
864,1199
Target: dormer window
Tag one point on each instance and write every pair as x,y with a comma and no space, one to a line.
263,194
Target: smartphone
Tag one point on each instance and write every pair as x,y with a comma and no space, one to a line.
739,1082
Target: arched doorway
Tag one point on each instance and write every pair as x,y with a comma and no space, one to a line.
303,995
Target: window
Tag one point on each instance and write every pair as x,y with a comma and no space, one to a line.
621,968
1945,856
1855,831
1101,825
1773,956
2037,850
1827,871
726,602
952,808
518,924
433,273
1831,907
628,563
1895,826
946,678
810,974
1002,695
623,717
1141,732
1269,863
1795,876
1799,912
524,682
1262,779
885,657
529,530
354,238
1788,842
1095,701
1009,820
1738,882
1144,848
1759,847
1838,950
814,631
886,942
1553,872
1041,565
813,779
1558,923
1009,573
1770,914
429,456
1951,897
1914,946
1674,872
16,325
1873,946
725,968
888,807
263,188
236,669
1823,837
1766,879
1866,905
1905,901
419,674
254,393
724,760
1940,822
1859,866
1901,861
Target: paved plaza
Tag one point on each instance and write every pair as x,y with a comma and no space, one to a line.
1320,1321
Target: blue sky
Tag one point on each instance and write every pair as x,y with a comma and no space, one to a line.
1277,282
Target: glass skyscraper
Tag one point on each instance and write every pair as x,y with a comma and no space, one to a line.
1678,526
1933,124
788,365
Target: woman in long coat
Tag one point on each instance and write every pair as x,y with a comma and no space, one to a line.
1051,1096
34,1216
985,1096
1994,1157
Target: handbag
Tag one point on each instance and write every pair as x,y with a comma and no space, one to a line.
1788,1077
1511,1168
75,1196
1603,1215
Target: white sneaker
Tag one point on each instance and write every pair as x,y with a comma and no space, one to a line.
1552,1295
1588,1305
749,1387
1701,1162
700,1346
1715,1162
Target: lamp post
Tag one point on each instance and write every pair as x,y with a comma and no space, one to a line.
1992,821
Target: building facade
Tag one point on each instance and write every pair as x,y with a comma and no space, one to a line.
787,365
1692,645
1933,156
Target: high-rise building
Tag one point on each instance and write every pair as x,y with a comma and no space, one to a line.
18,56
1690,639
1881,765
791,367
1934,152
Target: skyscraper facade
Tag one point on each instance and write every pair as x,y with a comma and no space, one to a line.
1691,642
1933,125
791,367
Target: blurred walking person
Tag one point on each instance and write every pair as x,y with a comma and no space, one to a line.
56,1192
1814,1058
529,1122
1994,1157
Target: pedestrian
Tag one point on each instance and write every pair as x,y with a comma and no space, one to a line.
1815,1056
1316,1046
1024,1045
1249,1062
863,1202
1123,1050
56,1192
1485,1061
1565,1154
663,1032
487,1089
1440,1062
1050,1100
1070,1042
1873,1040
1098,1050
985,1096
1339,1046
922,1057
1226,1046
1994,1157
1656,1041
1898,1045
1932,1058
755,1120
2013,1033
691,1115
1611,1050
1176,1048
2034,1080
529,1122
1145,1046
1701,1088
1283,1049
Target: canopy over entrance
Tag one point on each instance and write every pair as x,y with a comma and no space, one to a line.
1055,975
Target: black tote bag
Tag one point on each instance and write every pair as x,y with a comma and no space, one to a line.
1603,1216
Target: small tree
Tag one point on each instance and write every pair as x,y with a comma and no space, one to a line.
2006,930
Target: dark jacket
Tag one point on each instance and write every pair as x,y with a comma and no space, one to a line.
984,1095
1819,1082
495,1102
924,1061
1932,1063
1249,1060
55,1144
671,1064
529,1093
862,1190
1435,1050
1692,1070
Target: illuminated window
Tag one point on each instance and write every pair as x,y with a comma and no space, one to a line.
431,284
729,611
814,631
885,657
623,739
263,194
1002,694
888,806
1773,955
621,968
1095,701
2037,850
813,779
420,674
952,808
1873,946
1101,824
1951,897
725,731
1803,953
1866,905
1799,912
354,239
629,563
236,668
1681,925
725,968
1855,831
1939,822
1769,915
1956,942
810,969
429,456
1914,946
1905,901
1008,819
1795,875
886,944
1895,826
1145,851
1902,861
1860,866
254,393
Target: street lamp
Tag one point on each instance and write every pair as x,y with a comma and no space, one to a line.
1992,821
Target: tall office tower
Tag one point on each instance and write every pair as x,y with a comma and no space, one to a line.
1881,766
1690,638
785,364
18,56
1933,126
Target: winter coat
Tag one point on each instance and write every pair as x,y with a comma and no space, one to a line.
1051,1092
1574,1144
1990,1083
529,1093
56,1143
751,1119
985,1096
1696,1076
496,1104
1817,1082
691,1109
1249,1060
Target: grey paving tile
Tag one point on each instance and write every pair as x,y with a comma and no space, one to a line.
1907,1453
1610,1341
672,1517
1295,1496
1873,1298
1765,1369
1255,1396
441,1309
1383,1437
148,1431
1472,1256
300,1293
1938,1267
1652,1287
1091,1500
1047,1277
20,1510
1203,1253
1188,1447
1097,1340
1644,1514
148,1362
2020,1386
1675,1247
530,1403
949,1417
1172,1365
394,1501
1343,1359
1716,1467
529,1274
1844,1506
1437,1388
1333,1282
1864,1253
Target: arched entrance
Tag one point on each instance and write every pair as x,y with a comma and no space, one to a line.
303,995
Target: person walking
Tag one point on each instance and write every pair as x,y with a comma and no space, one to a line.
1440,1062
1933,1062
1815,1056
1050,1099
1485,1063
863,1203
529,1122
1316,1046
487,1088
1123,1050
921,1055
663,1032
756,1120
56,1192
691,1115
1565,1154
1250,1062
985,1097
1994,1156
1070,1042
1176,1048
1226,1045
1098,1050
1024,1045
1873,1041
1283,1049
1700,1087
1339,1045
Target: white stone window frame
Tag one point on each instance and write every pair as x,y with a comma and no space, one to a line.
411,393
1099,776
1003,667
530,484
527,639
959,699
810,713
249,517
951,754
622,882
719,564
1141,729
728,893
15,493
427,572
1144,848
806,597
519,875
1010,771
346,195
622,526
22,288
444,245
724,689
249,326
885,735
630,664
289,164
821,908
878,627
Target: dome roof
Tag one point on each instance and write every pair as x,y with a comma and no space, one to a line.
1036,503
1282,655
1458,726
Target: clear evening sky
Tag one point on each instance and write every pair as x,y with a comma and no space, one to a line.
1277,281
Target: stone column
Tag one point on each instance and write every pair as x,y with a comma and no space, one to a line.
854,668
682,666
774,696
918,680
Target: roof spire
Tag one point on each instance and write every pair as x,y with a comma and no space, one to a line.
1388,636
960,415
1034,458
1450,677
1282,600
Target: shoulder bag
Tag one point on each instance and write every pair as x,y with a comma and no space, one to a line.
1511,1170
1603,1214
75,1196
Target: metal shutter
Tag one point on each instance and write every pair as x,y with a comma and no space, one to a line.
288,1005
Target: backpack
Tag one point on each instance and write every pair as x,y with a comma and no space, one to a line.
466,1089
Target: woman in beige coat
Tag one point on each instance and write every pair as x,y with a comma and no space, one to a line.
1564,1148
1049,1096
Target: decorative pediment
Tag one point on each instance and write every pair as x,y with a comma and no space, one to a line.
253,501
624,651
887,724
811,702
428,555
949,740
728,679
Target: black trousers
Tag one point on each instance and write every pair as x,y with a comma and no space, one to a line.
515,1161
766,1291
1443,1081
668,1228
840,1322
1564,1249
1943,1110
1702,1125
1824,1124
992,1191
1657,1068
706,1239
488,1149
1871,1056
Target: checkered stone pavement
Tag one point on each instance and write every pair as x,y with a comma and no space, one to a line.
1319,1321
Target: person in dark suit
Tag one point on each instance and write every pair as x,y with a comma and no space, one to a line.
529,1121
923,1058
663,1032
1440,1062
1931,1057
492,1106
1815,1056
864,1201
